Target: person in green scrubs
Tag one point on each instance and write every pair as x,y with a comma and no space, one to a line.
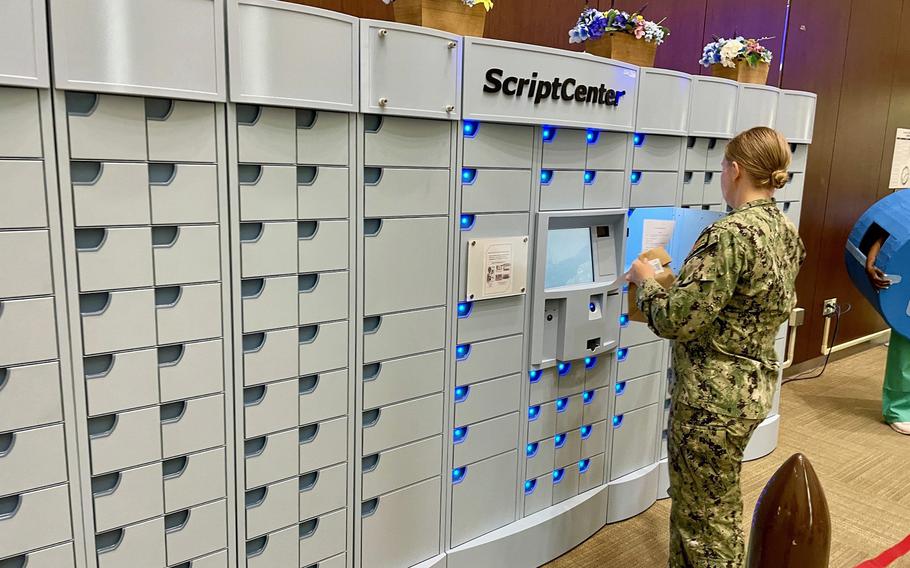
896,390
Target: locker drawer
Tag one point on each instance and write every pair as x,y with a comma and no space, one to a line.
110,193
793,190
567,448
186,313
635,333
276,549
544,386
193,479
540,457
401,379
30,396
482,440
569,413
605,190
106,127
136,546
268,248
322,491
596,405
186,254
714,194
491,145
697,154
401,423
33,520
32,458
637,393
322,245
658,153
323,537
634,440
402,528
322,396
182,131
269,302
565,483
800,157
323,347
55,557
270,408
601,373
717,149
266,135
414,142
566,148
22,193
323,193
591,473
386,337
190,369
270,356
322,297
402,466
112,321
194,532
654,189
488,359
394,192
127,496
573,381
488,399
494,191
267,192
491,318
192,425
792,210
541,421
593,439
693,188
216,560
271,507
121,381
119,441
561,190
484,499
270,458
608,151
114,258
391,248
183,193
640,360
323,137
339,561
21,119
538,493
323,444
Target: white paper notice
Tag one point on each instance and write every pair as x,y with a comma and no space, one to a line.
900,166
497,265
656,233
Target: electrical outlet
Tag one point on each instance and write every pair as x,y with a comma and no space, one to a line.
830,308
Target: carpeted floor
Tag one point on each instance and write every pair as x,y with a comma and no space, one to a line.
863,465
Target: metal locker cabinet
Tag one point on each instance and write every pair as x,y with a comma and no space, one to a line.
714,107
402,528
484,439
492,145
190,369
322,491
110,193
322,396
487,319
180,131
30,396
194,479
322,297
32,458
22,192
484,499
663,102
757,106
124,497
183,193
121,381
493,191
392,381
396,192
401,467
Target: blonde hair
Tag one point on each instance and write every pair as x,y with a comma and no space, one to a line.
764,154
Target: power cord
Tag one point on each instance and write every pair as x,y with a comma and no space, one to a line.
838,312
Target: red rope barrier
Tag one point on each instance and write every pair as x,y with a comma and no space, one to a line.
887,557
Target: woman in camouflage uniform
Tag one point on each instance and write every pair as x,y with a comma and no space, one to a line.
734,292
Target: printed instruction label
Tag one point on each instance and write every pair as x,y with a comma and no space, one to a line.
657,234
900,165
498,261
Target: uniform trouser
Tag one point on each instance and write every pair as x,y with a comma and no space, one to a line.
705,452
896,390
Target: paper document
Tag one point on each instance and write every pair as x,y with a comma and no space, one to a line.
656,233
900,166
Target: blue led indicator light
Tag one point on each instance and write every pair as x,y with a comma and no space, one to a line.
470,128
589,177
461,393
592,136
621,354
458,474
533,412
546,176
563,368
460,434
586,431
583,465
468,175
549,133
462,351
531,449
617,421
638,139
465,309
467,222
635,177
560,440
590,362
530,485
592,307
588,397
620,388
558,475
562,404
624,320
535,375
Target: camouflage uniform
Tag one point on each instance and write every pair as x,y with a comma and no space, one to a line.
735,290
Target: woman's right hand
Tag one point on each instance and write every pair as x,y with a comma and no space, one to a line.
878,278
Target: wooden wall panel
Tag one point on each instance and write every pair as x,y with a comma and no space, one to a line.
755,18
541,22
899,113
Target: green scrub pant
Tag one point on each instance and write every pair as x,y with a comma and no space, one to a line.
896,391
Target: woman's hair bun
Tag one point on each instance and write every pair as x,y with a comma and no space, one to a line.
779,179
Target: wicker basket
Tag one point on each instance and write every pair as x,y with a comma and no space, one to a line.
743,72
624,47
447,15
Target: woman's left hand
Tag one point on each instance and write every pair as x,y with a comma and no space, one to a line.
640,272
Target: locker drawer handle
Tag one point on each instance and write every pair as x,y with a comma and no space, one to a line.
368,508
105,485
4,373
253,396
308,384
307,334
162,174
372,176
371,417
308,433
248,115
306,175
687,177
255,447
370,463
308,528
252,288
306,230
251,232
176,522
90,240
166,298
306,118
371,372
109,541
372,123
15,561
372,227
253,342
7,441
620,388
636,177
712,143
165,237
158,109
709,177
690,142
102,426
255,497
371,324
85,173
170,355
248,174
98,367
617,421
306,283
256,546
9,506
173,412
174,468
308,481
93,304
81,104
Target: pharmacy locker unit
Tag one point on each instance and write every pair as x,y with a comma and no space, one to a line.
406,136
292,148
143,169
40,508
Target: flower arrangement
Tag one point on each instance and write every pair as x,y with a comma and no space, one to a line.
738,58
594,24
488,4
455,16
